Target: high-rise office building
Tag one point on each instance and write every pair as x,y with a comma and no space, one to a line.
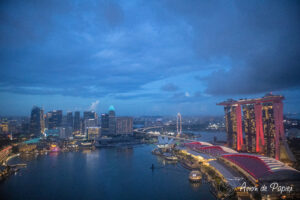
124,125
70,121
90,123
37,122
89,115
104,124
112,120
112,125
90,119
54,119
77,122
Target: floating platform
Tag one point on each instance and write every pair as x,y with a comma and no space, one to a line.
195,176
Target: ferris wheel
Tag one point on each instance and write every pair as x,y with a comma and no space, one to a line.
179,126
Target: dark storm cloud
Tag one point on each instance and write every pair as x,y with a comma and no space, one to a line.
261,38
169,87
23,22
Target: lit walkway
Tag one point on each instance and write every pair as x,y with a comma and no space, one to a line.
233,178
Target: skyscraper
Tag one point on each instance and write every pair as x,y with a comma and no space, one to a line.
90,119
263,125
104,124
54,119
77,122
268,129
70,121
89,115
230,122
249,127
112,125
37,123
90,123
112,120
124,125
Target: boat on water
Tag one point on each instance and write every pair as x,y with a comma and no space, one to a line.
195,176
171,158
86,144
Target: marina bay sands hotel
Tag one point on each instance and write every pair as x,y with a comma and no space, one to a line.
256,126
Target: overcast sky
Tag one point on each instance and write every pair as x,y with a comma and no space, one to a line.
147,57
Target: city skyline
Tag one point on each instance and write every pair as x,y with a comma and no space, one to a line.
160,99
171,56
95,108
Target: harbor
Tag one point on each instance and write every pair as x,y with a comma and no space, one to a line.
167,152
200,169
202,162
107,173
8,169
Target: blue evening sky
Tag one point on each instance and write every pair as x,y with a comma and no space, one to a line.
146,57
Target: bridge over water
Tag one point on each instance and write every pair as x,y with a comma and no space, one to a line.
143,130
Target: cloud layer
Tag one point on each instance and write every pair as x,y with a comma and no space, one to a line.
159,51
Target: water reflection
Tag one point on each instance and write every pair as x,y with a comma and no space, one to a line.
126,150
53,154
116,173
28,157
164,162
86,151
195,186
